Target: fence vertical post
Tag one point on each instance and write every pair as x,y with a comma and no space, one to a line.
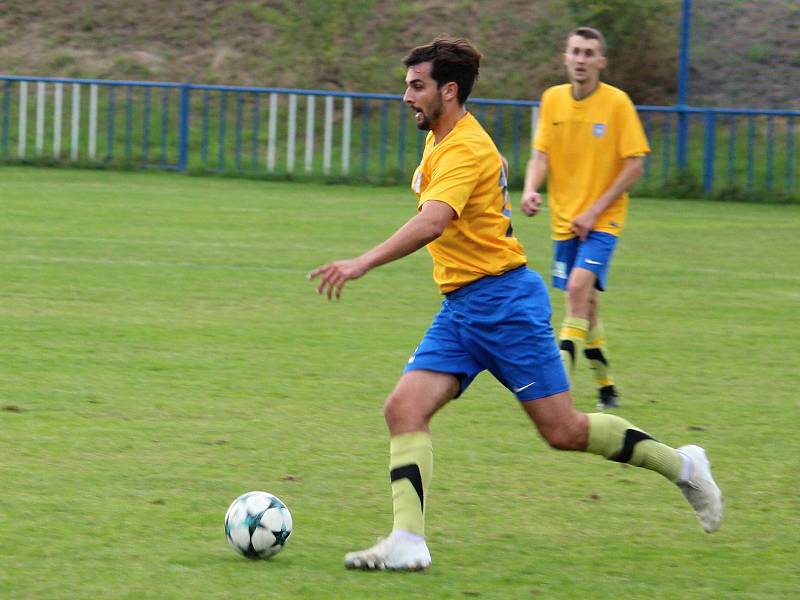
58,100
146,125
165,125
365,139
789,153
128,123
183,128
751,150
237,131
384,135
710,149
40,103
110,124
770,153
75,130
327,142
309,149
732,151
6,104
22,126
291,133
347,119
272,131
648,156
682,133
256,127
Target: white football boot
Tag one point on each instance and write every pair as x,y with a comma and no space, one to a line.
701,490
400,551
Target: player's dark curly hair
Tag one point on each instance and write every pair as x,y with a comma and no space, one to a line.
451,60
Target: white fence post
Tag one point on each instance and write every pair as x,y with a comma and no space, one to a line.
328,140
291,134
272,131
58,100
92,121
40,100
23,118
346,128
309,154
76,122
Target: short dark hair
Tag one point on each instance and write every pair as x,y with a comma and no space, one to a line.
451,60
589,33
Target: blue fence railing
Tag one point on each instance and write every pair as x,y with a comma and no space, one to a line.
276,131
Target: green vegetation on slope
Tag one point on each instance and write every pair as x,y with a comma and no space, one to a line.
333,44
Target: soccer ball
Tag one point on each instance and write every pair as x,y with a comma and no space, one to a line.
258,525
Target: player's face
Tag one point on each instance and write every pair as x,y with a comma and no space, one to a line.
423,96
584,59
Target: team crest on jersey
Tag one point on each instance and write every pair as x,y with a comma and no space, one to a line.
598,129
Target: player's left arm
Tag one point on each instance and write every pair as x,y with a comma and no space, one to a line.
632,170
427,225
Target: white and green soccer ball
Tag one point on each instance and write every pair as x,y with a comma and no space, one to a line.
258,525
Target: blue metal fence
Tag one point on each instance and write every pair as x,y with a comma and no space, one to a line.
276,131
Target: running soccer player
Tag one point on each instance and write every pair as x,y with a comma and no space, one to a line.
589,145
495,316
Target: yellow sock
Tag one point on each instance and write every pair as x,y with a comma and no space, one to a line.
596,353
411,465
574,331
616,439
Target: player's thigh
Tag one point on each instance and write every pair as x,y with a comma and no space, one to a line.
416,397
517,344
595,254
442,350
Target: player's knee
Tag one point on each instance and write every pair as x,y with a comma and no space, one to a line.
578,295
566,435
400,414
561,439
391,409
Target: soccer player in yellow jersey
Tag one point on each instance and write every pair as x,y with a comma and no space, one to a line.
590,145
495,316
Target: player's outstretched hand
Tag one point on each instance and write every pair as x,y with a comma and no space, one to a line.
333,276
531,203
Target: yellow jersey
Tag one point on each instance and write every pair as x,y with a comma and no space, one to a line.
586,142
466,172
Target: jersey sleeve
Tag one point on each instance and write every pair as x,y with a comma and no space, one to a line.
453,178
632,140
541,140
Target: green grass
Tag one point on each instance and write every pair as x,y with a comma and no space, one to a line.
162,353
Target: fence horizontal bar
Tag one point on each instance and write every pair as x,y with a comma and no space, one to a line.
719,111
89,81
373,96
234,88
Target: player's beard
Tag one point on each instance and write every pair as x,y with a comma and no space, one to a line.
428,119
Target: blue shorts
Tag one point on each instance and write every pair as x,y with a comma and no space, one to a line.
593,254
499,323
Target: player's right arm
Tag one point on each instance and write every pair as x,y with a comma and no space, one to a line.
535,174
427,225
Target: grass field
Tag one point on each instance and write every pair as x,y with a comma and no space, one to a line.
162,353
